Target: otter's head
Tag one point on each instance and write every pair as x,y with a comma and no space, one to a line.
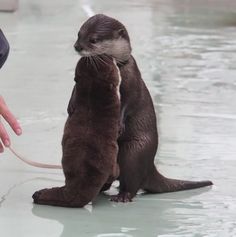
101,34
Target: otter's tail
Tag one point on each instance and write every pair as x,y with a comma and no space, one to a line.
157,183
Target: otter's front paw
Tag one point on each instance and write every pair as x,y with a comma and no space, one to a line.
122,197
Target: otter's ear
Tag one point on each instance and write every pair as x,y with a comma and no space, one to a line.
121,32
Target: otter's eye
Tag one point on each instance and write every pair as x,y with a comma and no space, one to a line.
93,40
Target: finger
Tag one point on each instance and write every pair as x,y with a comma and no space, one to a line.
2,103
4,136
1,148
9,117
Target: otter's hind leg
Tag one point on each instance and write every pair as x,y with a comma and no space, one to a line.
57,196
76,193
83,180
133,162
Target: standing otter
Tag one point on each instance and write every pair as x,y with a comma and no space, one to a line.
90,136
138,141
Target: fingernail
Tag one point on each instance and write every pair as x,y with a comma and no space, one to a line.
18,131
7,143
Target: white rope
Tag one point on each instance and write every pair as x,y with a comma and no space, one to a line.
89,12
33,163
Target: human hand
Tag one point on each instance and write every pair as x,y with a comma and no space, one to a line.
10,118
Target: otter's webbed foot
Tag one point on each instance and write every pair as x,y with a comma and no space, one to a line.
122,197
56,197
52,196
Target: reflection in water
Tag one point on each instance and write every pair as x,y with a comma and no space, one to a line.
147,216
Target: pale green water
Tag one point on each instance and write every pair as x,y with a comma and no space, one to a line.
186,51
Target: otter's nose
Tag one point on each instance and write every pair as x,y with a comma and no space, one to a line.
78,47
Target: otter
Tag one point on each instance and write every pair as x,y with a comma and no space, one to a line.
90,136
138,141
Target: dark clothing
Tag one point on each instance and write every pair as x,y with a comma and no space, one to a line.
4,48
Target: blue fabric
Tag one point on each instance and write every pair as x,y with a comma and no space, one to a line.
4,48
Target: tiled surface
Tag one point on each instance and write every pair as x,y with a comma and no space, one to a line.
186,52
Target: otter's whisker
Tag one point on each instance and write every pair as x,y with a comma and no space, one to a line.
118,61
94,63
90,61
109,58
101,60
87,61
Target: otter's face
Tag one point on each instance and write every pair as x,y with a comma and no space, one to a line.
103,35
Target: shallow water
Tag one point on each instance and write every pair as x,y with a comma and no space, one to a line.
186,51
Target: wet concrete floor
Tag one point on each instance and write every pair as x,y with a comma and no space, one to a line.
186,51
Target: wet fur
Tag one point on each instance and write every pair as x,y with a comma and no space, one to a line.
138,140
89,142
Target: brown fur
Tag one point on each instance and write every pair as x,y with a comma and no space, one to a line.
139,137
89,142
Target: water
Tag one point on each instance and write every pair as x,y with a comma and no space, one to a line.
186,51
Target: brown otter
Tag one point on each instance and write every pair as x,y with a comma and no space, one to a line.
90,136
138,142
